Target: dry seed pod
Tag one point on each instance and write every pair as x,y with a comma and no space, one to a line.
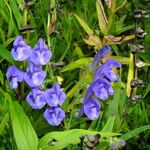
141,48
145,14
134,48
140,33
140,83
139,63
137,13
26,29
91,141
133,83
137,82
136,98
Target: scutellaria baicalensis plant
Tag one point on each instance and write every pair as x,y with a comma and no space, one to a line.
101,87
34,77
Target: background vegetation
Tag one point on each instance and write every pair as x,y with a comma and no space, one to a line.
75,30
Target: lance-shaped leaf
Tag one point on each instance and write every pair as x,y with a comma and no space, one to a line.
77,64
92,41
53,20
59,140
135,132
24,134
131,74
110,39
101,16
5,53
89,31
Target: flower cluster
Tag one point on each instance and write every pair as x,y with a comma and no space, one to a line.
116,144
101,85
34,77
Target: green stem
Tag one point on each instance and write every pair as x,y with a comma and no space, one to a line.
25,18
48,26
110,19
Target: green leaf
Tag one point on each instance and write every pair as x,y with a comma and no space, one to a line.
123,60
126,60
4,53
101,16
16,12
1,78
135,132
93,39
130,74
59,140
4,122
84,26
109,125
11,24
24,134
77,64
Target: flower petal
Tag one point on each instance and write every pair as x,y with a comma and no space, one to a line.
100,92
105,70
92,108
36,99
55,96
21,51
14,75
41,54
34,75
54,115
101,54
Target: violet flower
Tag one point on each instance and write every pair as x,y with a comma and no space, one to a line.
101,88
41,53
101,54
91,108
54,115
14,75
106,70
121,143
55,96
21,51
36,99
34,75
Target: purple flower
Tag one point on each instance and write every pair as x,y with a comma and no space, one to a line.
55,96
113,146
20,51
54,115
121,143
101,88
41,53
106,70
101,54
91,108
36,99
34,75
14,75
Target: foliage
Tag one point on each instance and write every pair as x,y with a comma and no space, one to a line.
74,30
